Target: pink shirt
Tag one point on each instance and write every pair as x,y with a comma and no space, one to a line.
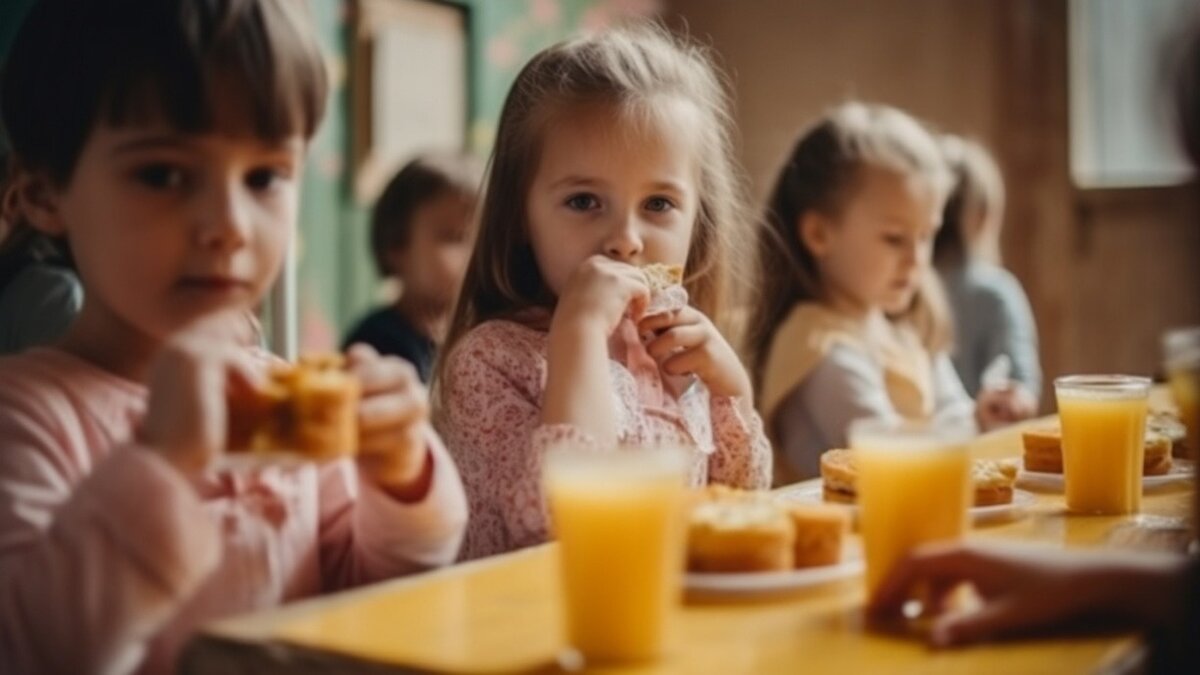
110,558
491,421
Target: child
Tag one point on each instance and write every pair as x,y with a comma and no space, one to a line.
992,319
165,148
1024,590
613,152
850,323
40,293
421,235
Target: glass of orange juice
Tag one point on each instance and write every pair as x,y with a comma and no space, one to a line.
1181,351
914,487
619,517
1103,420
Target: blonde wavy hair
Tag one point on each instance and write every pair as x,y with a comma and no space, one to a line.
821,174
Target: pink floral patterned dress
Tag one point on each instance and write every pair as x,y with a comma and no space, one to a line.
491,422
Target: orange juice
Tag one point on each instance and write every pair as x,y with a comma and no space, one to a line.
1103,422
619,519
1185,389
913,487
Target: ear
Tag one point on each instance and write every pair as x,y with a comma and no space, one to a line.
813,230
36,200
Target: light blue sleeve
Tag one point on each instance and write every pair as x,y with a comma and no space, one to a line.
1014,332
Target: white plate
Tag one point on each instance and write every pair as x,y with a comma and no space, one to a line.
1182,470
811,492
755,583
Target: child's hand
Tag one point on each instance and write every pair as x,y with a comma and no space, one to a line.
685,341
602,290
393,419
1025,589
189,383
996,407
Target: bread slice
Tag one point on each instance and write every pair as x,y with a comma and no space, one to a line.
839,475
1157,461
309,408
1167,423
993,481
1043,451
660,276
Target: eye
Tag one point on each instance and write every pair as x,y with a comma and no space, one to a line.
452,236
583,202
897,240
264,178
161,176
659,204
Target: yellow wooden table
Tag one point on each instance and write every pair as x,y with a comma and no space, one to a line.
501,615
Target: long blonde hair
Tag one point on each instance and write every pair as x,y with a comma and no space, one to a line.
978,193
821,174
632,68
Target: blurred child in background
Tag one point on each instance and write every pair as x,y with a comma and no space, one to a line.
422,230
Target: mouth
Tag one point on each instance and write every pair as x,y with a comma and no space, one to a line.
213,283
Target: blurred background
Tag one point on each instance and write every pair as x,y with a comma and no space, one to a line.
1103,219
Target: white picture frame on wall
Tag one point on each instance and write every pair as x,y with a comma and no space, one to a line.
409,86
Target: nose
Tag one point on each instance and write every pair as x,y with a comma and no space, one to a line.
224,215
624,240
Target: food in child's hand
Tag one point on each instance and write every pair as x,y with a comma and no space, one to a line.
308,408
660,276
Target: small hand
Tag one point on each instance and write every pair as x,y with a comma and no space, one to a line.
995,407
601,291
686,342
393,419
190,381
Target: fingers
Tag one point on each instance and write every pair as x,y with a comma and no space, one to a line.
999,618
662,320
393,409
676,339
392,412
938,564
381,374
360,353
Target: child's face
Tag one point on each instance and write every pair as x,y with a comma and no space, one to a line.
434,261
166,228
609,186
874,253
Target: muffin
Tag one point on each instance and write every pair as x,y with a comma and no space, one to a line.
820,531
740,535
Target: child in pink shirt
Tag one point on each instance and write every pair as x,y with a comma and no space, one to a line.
613,152
162,141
